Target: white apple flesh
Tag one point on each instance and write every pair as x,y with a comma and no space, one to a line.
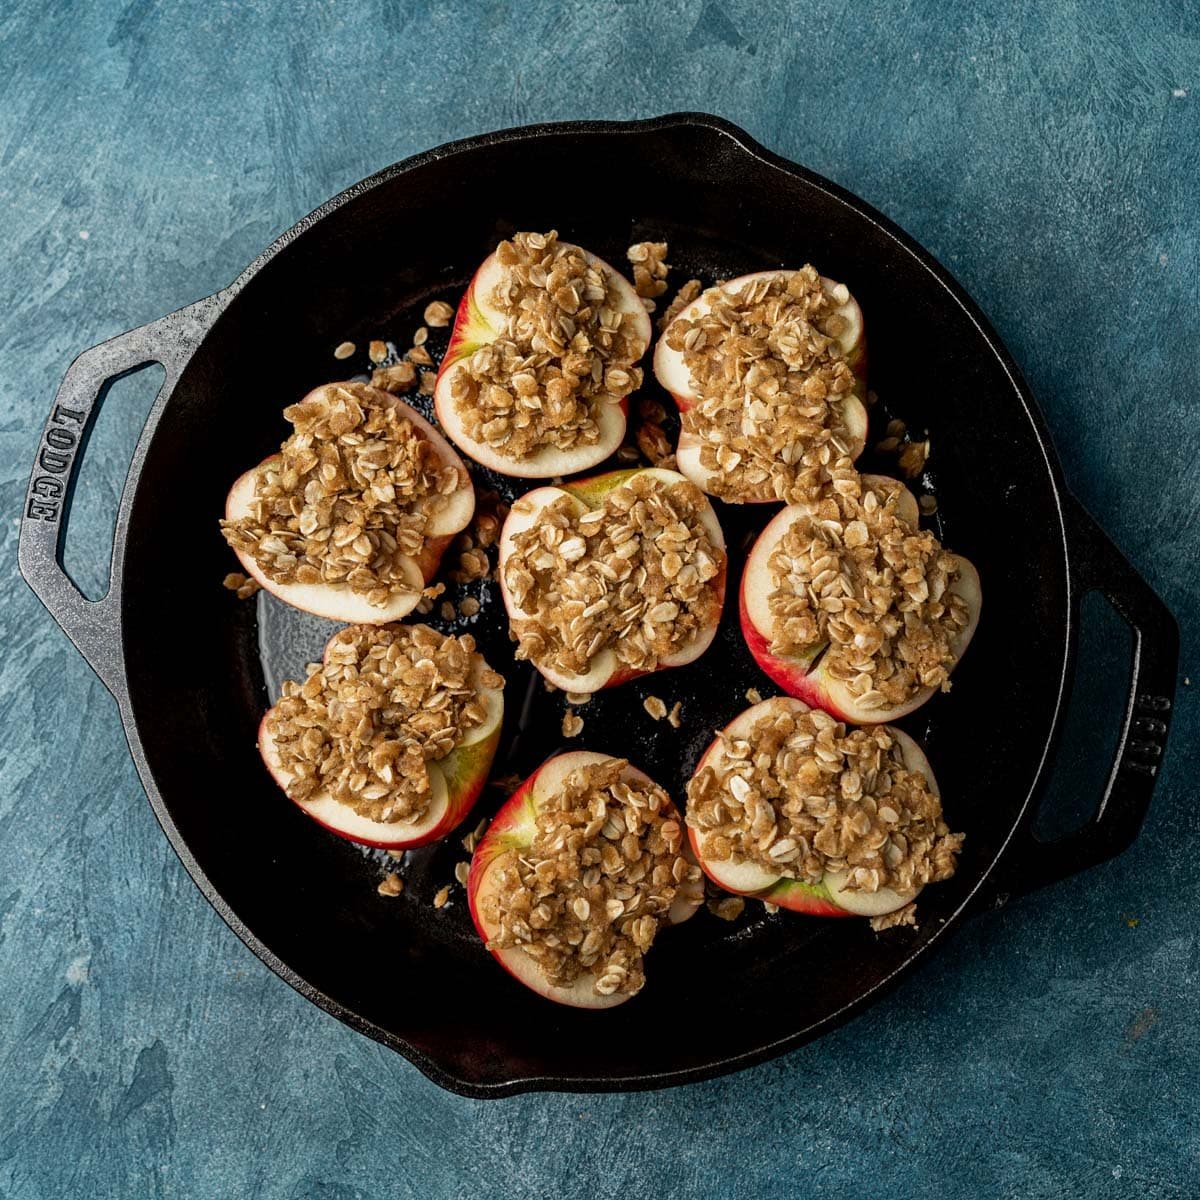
478,323
511,832
455,782
606,670
672,372
338,601
831,897
796,674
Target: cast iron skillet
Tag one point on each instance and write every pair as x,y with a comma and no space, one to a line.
190,666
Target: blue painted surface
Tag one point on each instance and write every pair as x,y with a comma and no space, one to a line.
1048,154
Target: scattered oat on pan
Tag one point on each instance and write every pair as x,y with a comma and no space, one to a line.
391,885
396,378
243,586
728,908
902,916
650,268
438,314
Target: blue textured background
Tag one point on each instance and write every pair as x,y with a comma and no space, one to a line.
1048,154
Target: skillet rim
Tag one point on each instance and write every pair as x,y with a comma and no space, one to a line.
975,897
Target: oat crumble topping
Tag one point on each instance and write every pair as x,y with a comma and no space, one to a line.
770,379
854,574
349,497
365,724
595,886
802,795
566,348
650,268
633,575
686,294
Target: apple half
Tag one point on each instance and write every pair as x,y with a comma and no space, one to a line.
830,897
672,372
805,676
455,783
511,832
338,601
606,669
479,322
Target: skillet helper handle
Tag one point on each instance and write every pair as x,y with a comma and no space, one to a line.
94,626
1097,565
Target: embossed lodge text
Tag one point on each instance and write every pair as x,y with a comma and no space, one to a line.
59,444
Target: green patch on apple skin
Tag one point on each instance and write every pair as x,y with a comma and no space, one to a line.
470,335
592,491
809,898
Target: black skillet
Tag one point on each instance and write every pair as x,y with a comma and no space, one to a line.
192,668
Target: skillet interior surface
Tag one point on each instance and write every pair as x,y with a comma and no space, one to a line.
201,663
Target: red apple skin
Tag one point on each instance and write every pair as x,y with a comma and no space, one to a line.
426,562
465,770
794,894
791,674
591,491
473,329
856,359
791,894
464,783
512,828
799,677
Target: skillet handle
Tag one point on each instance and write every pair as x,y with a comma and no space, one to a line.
1097,565
94,626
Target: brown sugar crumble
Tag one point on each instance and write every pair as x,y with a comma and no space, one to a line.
240,584
365,724
902,916
438,314
348,499
686,294
727,908
566,348
854,574
650,268
597,883
390,885
634,575
396,378
572,725
802,795
770,379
